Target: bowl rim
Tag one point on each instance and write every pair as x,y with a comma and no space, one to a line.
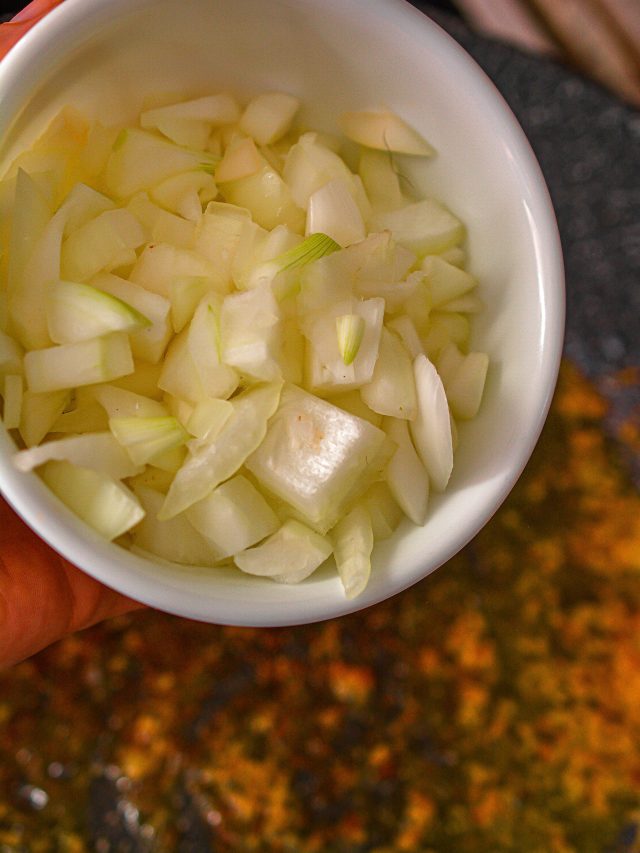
77,543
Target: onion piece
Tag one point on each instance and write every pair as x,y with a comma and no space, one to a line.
98,451
120,403
103,503
160,225
392,390
352,541
332,210
380,180
77,312
268,117
10,355
233,517
431,429
207,419
350,330
446,281
175,539
39,414
317,457
211,464
240,160
466,386
205,346
140,160
385,131
145,439
426,227
405,473
12,393
148,343
309,165
184,194
290,555
98,244
82,363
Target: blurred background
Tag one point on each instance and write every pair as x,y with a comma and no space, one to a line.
493,707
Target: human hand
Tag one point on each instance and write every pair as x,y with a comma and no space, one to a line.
42,596
13,30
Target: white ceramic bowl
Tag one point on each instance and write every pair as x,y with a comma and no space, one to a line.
106,55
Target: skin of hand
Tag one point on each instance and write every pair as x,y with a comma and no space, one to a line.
42,596
12,31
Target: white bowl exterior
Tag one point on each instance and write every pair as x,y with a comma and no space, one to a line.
106,56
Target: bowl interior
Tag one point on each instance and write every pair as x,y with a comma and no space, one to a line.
108,56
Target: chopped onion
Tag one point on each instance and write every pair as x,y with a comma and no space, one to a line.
103,503
145,439
352,546
333,211
256,275
290,555
268,116
350,330
385,131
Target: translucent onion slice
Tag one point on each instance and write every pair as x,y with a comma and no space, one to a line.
99,243
332,210
39,414
425,227
405,473
316,456
13,394
309,165
145,439
431,429
10,355
380,179
350,331
185,193
103,503
175,539
150,342
160,225
290,555
466,386
352,541
215,110
120,403
83,363
98,451
250,327
140,160
211,464
392,390
446,281
385,131
207,419
240,160
77,312
234,516
268,117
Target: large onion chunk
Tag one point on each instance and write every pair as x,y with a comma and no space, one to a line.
316,456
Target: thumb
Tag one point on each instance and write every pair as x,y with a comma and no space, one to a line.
12,31
42,596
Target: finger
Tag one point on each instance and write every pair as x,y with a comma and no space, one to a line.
42,596
590,41
12,31
510,20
